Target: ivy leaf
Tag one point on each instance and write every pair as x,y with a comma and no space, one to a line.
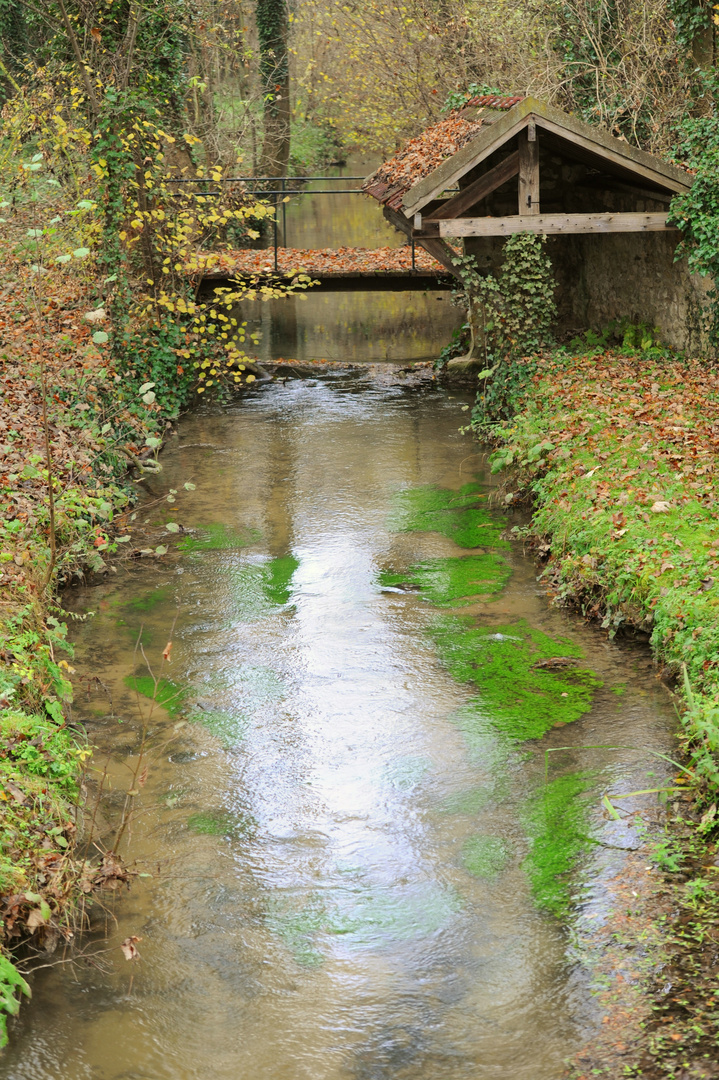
100,337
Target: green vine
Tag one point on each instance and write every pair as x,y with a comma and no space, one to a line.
511,317
696,212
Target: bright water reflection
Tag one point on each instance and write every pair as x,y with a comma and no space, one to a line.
311,914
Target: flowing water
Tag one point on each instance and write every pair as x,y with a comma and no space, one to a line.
338,836
354,865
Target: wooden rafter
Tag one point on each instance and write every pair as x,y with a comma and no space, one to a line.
476,191
435,247
556,223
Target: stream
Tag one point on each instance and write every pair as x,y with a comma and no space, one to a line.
354,864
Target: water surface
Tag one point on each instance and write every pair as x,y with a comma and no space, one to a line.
339,885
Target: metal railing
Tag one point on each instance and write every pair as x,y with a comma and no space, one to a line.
282,192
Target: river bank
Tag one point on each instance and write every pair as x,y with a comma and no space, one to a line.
618,455
66,406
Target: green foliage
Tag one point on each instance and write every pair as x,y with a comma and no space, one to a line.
556,818
313,146
518,694
511,319
456,346
446,581
11,983
37,746
690,18
457,99
696,212
455,514
631,338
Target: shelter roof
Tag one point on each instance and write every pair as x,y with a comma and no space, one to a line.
438,157
426,151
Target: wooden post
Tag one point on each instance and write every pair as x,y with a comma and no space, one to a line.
528,170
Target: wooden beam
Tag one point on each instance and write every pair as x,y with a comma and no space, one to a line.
528,170
437,248
556,223
441,252
476,191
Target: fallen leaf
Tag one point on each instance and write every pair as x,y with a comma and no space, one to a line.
167,651
129,949
661,507
35,920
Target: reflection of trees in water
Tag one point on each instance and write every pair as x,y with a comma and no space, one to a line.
354,326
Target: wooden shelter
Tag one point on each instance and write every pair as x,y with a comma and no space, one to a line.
506,165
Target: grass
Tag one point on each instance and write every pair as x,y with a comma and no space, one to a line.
619,456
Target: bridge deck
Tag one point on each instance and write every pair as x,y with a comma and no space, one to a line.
336,268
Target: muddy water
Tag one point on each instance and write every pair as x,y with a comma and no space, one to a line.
352,326
313,798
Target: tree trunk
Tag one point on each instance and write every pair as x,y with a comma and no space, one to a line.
272,30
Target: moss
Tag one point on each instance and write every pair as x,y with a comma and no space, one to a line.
516,697
557,820
164,693
454,514
218,537
484,856
445,581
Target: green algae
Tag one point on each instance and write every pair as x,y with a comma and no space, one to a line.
277,579
218,537
150,600
220,823
454,514
556,818
516,697
259,589
470,801
258,686
164,692
229,727
297,926
484,856
445,581
364,917
406,772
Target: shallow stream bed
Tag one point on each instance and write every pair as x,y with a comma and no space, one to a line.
359,870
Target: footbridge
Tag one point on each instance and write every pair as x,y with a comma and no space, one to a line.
410,268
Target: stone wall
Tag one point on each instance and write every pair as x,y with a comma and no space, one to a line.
607,276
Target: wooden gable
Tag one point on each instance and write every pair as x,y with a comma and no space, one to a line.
507,145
